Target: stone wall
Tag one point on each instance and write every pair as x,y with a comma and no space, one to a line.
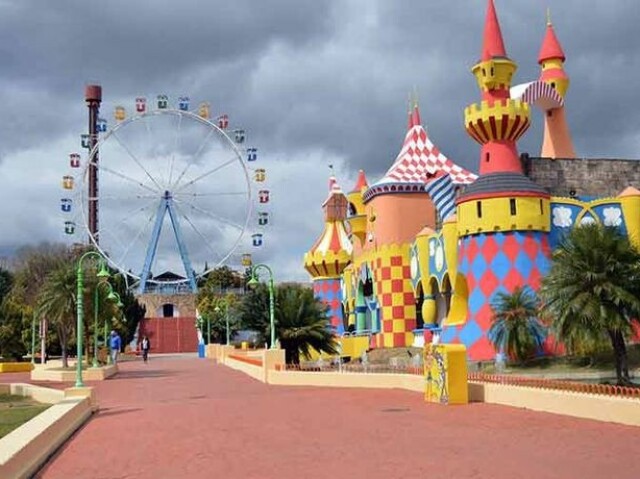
184,304
583,176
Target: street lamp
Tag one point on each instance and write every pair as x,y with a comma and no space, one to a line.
112,296
103,273
226,317
254,282
33,338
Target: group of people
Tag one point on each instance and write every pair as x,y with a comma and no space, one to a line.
115,345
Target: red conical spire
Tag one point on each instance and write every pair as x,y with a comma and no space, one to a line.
550,46
361,182
492,45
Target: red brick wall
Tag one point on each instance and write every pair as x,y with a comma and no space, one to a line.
170,335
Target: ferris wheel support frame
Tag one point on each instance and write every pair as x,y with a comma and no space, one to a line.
166,205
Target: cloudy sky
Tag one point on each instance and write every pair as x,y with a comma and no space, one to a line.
314,83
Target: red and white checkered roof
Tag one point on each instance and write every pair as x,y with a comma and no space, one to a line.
420,160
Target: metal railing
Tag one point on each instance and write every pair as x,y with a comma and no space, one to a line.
357,368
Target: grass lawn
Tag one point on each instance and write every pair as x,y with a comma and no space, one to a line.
16,410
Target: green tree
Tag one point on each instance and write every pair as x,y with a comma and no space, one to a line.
301,320
14,317
132,311
254,312
221,279
516,328
57,300
33,265
6,282
217,309
593,290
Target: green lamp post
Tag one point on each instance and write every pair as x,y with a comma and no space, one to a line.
112,296
33,337
226,318
252,283
103,273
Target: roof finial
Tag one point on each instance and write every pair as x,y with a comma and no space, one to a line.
549,17
415,111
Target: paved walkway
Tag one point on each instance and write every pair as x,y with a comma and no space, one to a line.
188,418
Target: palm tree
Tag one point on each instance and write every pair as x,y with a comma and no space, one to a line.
516,328
301,320
57,301
592,291
302,324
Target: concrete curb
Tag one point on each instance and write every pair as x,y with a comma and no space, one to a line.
24,450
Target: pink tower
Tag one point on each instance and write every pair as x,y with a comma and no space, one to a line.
557,141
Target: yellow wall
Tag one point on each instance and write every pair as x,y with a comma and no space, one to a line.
561,80
496,215
458,307
631,211
15,367
494,73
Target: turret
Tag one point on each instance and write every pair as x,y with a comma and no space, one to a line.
328,257
557,141
498,121
356,214
551,59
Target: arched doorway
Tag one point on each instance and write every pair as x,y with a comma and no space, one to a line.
419,303
168,310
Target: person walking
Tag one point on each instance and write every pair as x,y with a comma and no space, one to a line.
145,346
115,343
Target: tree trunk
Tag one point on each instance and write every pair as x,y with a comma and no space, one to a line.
620,355
624,359
62,335
43,341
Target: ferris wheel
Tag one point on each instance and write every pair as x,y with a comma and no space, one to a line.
176,193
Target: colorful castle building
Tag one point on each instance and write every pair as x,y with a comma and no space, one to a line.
427,248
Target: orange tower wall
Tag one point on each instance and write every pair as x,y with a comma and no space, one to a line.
399,217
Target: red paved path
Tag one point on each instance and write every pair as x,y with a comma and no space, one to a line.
176,418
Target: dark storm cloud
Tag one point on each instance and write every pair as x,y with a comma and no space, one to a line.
52,49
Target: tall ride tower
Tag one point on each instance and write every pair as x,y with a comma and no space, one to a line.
93,97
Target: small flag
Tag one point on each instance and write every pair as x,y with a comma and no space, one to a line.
443,195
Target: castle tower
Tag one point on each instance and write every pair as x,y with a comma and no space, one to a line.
330,254
503,217
398,207
356,216
557,141
498,121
